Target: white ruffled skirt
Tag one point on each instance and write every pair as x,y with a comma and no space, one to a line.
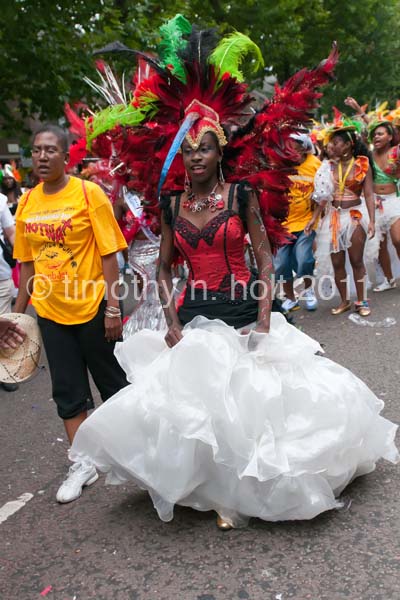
388,211
247,425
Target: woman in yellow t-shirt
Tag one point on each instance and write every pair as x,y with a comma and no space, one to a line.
67,239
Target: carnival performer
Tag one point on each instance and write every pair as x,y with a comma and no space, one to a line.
230,409
66,240
296,256
386,157
339,184
386,175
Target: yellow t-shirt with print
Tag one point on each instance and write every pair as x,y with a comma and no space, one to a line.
301,189
65,235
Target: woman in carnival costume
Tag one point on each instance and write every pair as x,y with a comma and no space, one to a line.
386,160
383,134
230,409
347,223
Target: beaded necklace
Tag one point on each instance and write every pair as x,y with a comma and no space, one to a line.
213,201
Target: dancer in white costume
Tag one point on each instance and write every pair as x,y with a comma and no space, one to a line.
247,425
339,184
386,172
230,409
386,156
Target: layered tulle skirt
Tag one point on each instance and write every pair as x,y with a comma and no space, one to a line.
248,425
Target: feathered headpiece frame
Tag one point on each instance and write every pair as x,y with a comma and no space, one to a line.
196,85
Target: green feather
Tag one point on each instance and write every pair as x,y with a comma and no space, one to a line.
120,114
230,52
172,42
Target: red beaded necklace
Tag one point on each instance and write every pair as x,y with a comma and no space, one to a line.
213,201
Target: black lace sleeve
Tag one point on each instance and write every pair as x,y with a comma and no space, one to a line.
243,191
165,205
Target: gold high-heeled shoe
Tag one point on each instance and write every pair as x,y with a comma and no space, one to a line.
223,524
341,309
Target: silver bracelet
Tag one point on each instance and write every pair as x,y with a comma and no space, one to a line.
113,309
112,315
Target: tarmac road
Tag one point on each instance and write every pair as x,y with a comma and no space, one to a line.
110,545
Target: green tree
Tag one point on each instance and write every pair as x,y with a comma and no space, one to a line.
46,45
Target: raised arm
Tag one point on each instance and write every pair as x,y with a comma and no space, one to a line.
352,103
165,286
263,256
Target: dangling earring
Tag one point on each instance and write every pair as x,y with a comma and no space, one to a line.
221,177
188,184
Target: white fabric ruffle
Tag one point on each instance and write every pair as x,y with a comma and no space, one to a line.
389,213
324,245
323,183
247,425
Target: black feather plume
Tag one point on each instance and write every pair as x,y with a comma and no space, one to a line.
118,47
200,45
112,48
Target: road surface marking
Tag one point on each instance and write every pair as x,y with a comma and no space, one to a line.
9,508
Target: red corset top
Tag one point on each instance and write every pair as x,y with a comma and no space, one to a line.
215,253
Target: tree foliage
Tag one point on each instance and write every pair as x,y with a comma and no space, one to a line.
47,45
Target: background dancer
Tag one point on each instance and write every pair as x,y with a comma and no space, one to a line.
386,157
339,185
386,170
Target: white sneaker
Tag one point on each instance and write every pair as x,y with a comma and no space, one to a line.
310,298
385,285
289,304
79,475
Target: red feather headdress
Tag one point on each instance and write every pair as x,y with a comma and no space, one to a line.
195,86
